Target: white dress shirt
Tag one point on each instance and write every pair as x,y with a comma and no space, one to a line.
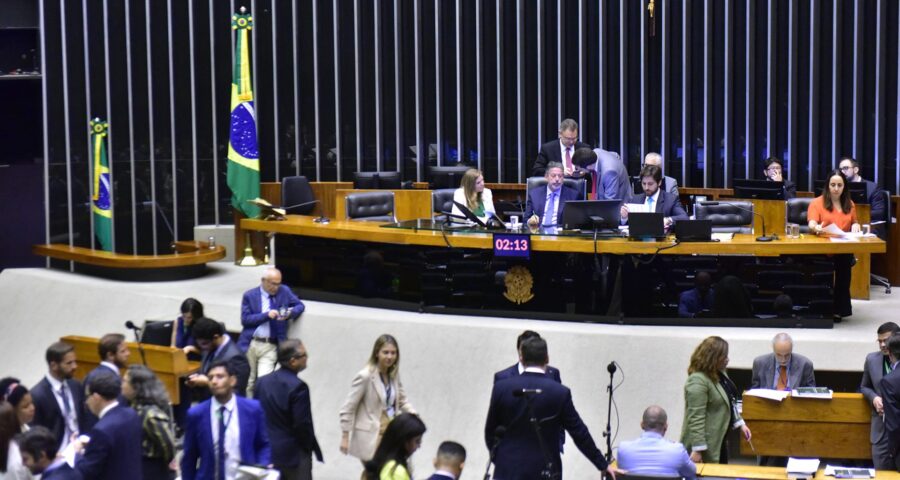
232,434
72,420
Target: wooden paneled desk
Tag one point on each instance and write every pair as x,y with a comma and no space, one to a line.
768,473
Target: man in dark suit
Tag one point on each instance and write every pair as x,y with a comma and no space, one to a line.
890,388
114,354
216,345
699,299
449,462
561,151
878,364
782,369
657,200
58,398
517,369
114,449
774,172
669,184
265,313
545,203
39,448
850,168
224,431
521,454
285,400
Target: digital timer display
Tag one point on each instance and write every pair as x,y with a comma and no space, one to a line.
512,245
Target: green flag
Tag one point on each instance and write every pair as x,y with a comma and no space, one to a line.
101,191
243,149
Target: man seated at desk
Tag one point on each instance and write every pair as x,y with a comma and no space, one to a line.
698,300
850,168
652,454
782,369
545,203
655,199
774,172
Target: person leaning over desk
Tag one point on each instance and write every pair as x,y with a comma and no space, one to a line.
834,207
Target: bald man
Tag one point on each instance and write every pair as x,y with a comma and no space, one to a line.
669,184
652,454
266,312
782,369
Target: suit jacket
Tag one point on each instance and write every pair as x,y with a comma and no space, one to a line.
707,415
518,455
46,409
236,358
666,204
198,439
690,303
437,476
114,451
252,316
551,372
613,182
800,372
537,199
551,152
670,186
654,455
285,400
361,412
876,201
870,387
89,418
63,472
890,387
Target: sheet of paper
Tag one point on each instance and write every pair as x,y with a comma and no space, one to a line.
844,239
722,237
777,395
802,465
636,207
833,229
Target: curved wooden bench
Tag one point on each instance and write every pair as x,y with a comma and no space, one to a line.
189,260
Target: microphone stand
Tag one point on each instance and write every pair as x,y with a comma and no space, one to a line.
547,471
137,339
611,368
764,237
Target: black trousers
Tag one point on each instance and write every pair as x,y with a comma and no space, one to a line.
842,266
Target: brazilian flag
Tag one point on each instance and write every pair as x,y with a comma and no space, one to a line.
243,148
102,190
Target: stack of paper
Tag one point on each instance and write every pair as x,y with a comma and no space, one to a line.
802,467
844,472
777,395
812,392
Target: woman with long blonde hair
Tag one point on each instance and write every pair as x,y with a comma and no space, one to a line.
473,195
376,396
710,403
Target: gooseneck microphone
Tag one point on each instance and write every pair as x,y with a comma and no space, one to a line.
611,368
763,237
137,338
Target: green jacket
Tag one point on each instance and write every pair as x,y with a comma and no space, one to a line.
707,413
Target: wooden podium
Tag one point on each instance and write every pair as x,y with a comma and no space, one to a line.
809,427
168,363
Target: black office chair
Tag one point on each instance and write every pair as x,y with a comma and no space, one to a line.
731,217
882,227
577,184
297,196
441,201
371,206
795,211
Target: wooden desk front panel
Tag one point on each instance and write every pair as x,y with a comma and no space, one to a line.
807,427
768,473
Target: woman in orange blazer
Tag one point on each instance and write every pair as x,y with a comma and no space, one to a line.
835,207
376,396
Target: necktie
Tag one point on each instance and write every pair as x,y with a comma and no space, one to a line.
782,378
67,407
548,210
568,160
650,204
220,447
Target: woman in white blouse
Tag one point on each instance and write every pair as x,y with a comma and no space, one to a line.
473,195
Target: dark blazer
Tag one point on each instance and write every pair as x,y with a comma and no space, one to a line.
537,197
890,387
285,400
63,472
252,317
870,387
198,439
234,356
666,204
46,409
800,371
519,456
876,201
440,477
513,371
89,418
551,152
114,451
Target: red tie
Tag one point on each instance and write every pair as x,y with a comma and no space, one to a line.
569,168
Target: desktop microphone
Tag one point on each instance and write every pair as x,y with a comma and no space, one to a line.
611,368
764,237
527,392
130,325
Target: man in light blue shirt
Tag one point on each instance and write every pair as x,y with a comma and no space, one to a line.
652,454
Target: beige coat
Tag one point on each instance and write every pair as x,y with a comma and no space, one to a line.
361,413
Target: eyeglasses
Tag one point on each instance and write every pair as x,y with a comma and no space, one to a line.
845,168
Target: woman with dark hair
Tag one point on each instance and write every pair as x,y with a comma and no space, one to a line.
474,195
12,391
834,207
149,398
182,335
11,467
710,403
376,396
402,437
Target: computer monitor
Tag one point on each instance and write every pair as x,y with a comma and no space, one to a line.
591,214
389,181
157,332
857,191
759,189
446,177
365,180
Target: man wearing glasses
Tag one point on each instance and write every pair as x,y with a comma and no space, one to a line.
561,151
774,172
850,168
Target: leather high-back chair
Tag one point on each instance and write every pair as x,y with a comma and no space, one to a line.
441,201
795,211
297,197
731,217
371,206
577,184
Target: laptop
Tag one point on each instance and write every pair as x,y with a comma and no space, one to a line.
646,226
693,230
